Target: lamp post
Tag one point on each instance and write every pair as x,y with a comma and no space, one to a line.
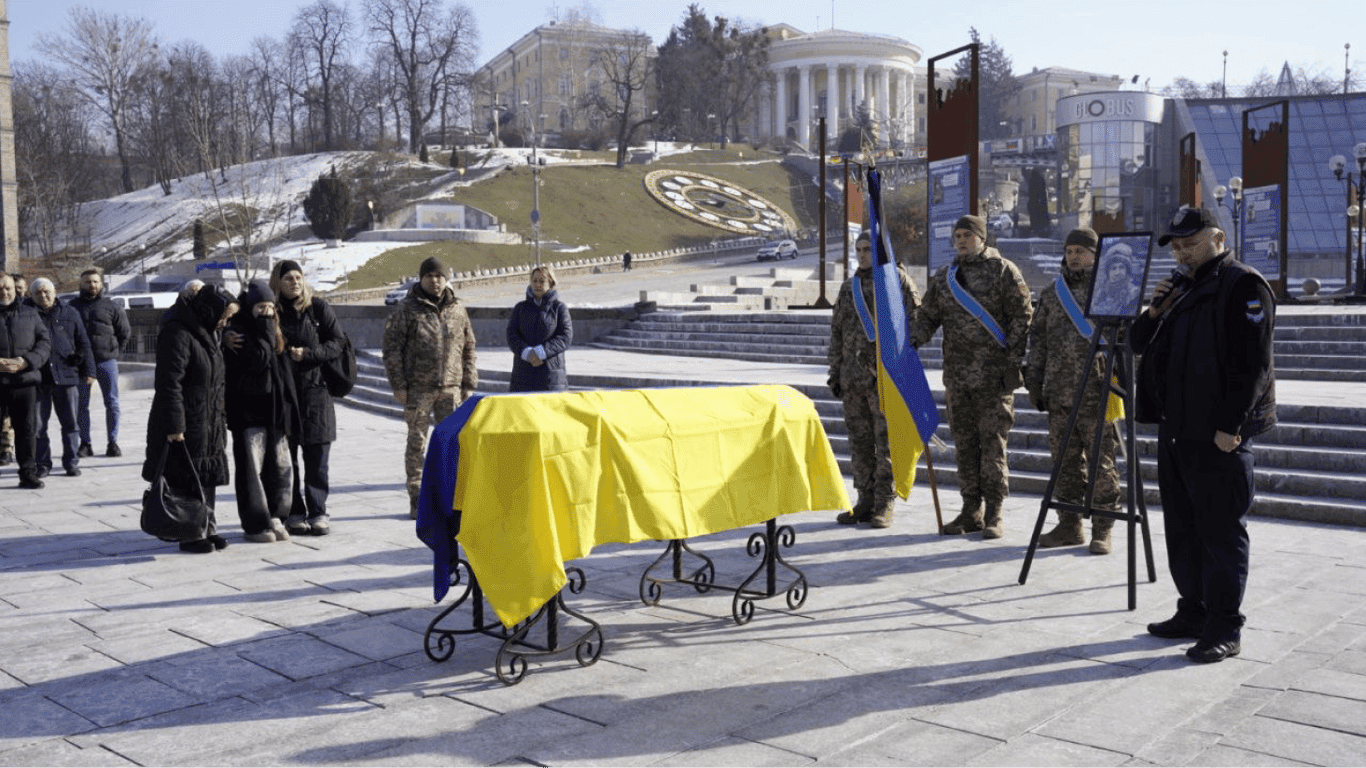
1235,188
1356,195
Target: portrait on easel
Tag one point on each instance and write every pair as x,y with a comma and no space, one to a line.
1120,274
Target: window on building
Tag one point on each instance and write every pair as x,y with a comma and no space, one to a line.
564,53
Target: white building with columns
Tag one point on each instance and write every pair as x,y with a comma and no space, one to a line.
832,73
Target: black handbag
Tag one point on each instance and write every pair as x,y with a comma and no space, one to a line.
175,512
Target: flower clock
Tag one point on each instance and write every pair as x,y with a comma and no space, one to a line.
718,203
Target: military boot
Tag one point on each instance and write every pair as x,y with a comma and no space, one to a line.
860,513
968,521
1100,535
993,527
1067,533
882,518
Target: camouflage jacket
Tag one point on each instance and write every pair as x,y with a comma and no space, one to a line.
852,355
429,344
972,357
1057,350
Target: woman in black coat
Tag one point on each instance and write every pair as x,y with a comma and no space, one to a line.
539,332
313,337
188,404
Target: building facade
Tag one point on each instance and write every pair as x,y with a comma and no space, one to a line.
832,74
538,84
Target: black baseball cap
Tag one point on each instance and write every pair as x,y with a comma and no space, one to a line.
1187,221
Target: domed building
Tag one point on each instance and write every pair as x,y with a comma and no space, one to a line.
832,73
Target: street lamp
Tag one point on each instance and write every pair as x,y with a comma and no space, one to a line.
1356,195
1235,187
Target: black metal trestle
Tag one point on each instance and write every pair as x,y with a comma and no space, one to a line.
517,646
1118,359
765,545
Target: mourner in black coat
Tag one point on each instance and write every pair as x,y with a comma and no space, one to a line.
189,401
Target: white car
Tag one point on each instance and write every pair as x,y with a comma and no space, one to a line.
777,249
397,294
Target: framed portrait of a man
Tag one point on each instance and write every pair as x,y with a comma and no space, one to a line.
1121,271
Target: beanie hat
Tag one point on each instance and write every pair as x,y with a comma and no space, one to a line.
1083,236
433,264
288,265
257,291
976,224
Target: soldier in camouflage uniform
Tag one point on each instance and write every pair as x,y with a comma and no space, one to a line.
1056,363
429,359
853,379
981,371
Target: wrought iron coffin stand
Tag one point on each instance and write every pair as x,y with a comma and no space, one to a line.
510,662
763,545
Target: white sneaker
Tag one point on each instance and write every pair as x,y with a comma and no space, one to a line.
278,528
264,537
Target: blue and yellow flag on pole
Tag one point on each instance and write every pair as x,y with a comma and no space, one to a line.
903,390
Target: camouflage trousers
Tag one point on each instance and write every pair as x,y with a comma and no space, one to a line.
6,436
425,408
1074,463
869,451
980,422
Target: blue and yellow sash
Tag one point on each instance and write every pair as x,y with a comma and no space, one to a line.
969,302
864,315
1070,306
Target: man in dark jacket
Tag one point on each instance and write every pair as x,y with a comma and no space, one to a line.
24,349
1208,380
70,364
107,326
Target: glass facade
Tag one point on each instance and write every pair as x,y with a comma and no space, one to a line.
1320,127
1106,164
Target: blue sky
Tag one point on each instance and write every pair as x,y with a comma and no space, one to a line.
1155,39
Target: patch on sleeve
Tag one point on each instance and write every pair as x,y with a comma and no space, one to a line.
1255,312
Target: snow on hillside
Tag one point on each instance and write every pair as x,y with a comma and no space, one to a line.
274,190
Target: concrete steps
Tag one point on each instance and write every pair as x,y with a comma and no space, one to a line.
1312,466
1316,347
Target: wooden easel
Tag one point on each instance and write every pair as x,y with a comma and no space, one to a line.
1106,340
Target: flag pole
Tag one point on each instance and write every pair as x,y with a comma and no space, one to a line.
934,490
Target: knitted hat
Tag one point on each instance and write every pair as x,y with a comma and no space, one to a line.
257,291
976,224
433,264
1083,236
286,266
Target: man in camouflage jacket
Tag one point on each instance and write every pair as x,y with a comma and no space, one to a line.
429,359
1058,359
981,366
853,379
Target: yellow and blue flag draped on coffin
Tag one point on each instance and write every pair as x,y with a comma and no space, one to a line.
902,389
541,479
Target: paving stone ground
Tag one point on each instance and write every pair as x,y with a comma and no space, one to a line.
911,648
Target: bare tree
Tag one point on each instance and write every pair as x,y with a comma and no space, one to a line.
322,31
627,67
432,47
268,89
107,54
52,150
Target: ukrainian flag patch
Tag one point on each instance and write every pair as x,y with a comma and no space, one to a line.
1255,311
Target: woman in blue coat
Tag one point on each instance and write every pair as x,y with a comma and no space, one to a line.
539,332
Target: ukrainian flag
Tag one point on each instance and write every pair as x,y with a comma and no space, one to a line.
903,390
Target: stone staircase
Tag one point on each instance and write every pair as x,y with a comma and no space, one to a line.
1309,345
784,287
1312,466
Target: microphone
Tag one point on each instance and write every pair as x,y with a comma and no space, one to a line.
1180,278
